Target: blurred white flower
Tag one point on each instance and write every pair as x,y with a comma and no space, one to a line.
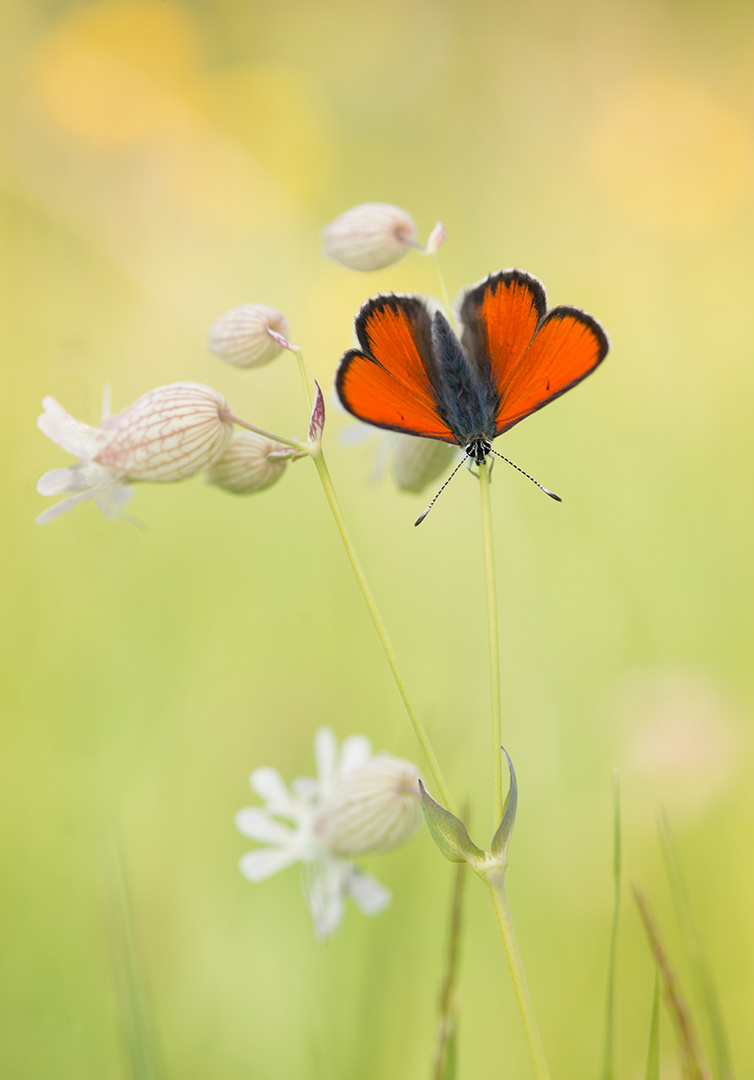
242,335
170,433
370,236
358,803
417,462
250,463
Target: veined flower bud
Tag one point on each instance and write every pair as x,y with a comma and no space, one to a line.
417,462
250,463
171,433
373,808
370,236
240,336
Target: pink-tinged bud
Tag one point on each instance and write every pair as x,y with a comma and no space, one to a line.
171,433
250,463
370,236
417,462
241,336
373,808
436,239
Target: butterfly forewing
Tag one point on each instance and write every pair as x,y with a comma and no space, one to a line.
500,316
389,381
567,347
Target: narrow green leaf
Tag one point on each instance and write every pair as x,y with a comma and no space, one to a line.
448,831
502,837
608,1055
653,1054
696,952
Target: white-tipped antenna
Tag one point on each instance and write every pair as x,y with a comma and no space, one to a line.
421,517
541,487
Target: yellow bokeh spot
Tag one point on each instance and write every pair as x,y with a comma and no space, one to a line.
667,152
110,72
272,112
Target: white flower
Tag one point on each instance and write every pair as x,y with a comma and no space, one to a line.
241,336
170,433
370,236
250,463
417,462
358,803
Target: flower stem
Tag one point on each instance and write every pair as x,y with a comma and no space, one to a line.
379,623
494,643
495,882
295,443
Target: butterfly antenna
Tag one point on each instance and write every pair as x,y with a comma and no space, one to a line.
421,517
542,487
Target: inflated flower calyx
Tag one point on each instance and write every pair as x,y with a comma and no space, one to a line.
241,336
249,464
171,433
370,236
374,808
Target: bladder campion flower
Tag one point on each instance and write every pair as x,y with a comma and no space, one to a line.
241,336
250,463
359,803
417,462
370,236
170,433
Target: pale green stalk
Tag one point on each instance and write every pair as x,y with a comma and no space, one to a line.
295,443
607,1060
444,288
494,644
495,882
400,679
379,623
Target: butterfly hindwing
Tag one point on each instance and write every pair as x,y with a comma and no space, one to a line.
391,380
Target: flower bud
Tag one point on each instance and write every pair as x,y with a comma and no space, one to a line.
417,462
250,463
370,236
373,807
240,336
170,433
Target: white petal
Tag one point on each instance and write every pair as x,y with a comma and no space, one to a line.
325,753
111,500
325,889
269,785
258,865
305,788
65,431
356,750
367,893
258,825
60,508
56,481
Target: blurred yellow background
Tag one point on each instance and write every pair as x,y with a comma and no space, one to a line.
164,160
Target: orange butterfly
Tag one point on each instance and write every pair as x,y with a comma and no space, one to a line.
412,374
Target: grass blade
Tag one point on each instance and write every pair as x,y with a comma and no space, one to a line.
135,1013
696,952
444,1067
693,1065
608,1055
653,1053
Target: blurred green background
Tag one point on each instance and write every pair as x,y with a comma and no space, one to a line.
162,161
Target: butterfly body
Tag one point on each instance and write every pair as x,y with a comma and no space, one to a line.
412,374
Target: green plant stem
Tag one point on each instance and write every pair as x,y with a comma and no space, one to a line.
379,623
495,882
494,644
304,380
